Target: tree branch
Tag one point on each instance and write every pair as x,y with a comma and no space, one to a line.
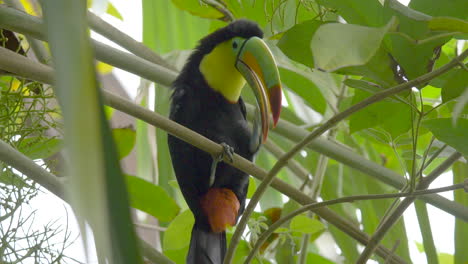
390,220
348,199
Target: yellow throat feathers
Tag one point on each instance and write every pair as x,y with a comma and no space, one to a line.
218,69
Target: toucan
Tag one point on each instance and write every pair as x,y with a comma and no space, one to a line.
206,98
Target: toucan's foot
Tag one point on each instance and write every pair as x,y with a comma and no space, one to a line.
228,152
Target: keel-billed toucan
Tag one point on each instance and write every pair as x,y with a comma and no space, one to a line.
206,98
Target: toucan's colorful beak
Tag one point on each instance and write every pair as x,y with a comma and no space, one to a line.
256,63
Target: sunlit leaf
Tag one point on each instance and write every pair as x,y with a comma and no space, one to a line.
337,45
111,10
306,225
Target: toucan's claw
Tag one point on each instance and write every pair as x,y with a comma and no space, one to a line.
228,152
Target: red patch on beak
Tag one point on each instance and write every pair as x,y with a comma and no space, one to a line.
221,206
275,103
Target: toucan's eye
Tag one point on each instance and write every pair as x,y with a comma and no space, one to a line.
234,44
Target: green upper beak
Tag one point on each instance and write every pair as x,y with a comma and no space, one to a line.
256,63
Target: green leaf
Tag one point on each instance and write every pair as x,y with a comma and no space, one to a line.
151,199
445,258
111,10
444,130
306,225
125,139
363,12
304,88
452,8
313,258
455,86
252,187
460,173
198,8
460,106
393,117
431,92
177,236
448,24
338,45
295,42
380,69
39,147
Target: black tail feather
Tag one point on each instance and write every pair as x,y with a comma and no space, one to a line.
206,247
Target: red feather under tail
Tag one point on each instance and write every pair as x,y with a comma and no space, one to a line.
221,206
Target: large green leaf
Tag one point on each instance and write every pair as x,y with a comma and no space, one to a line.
305,88
338,45
455,86
444,130
460,174
295,42
39,147
151,199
